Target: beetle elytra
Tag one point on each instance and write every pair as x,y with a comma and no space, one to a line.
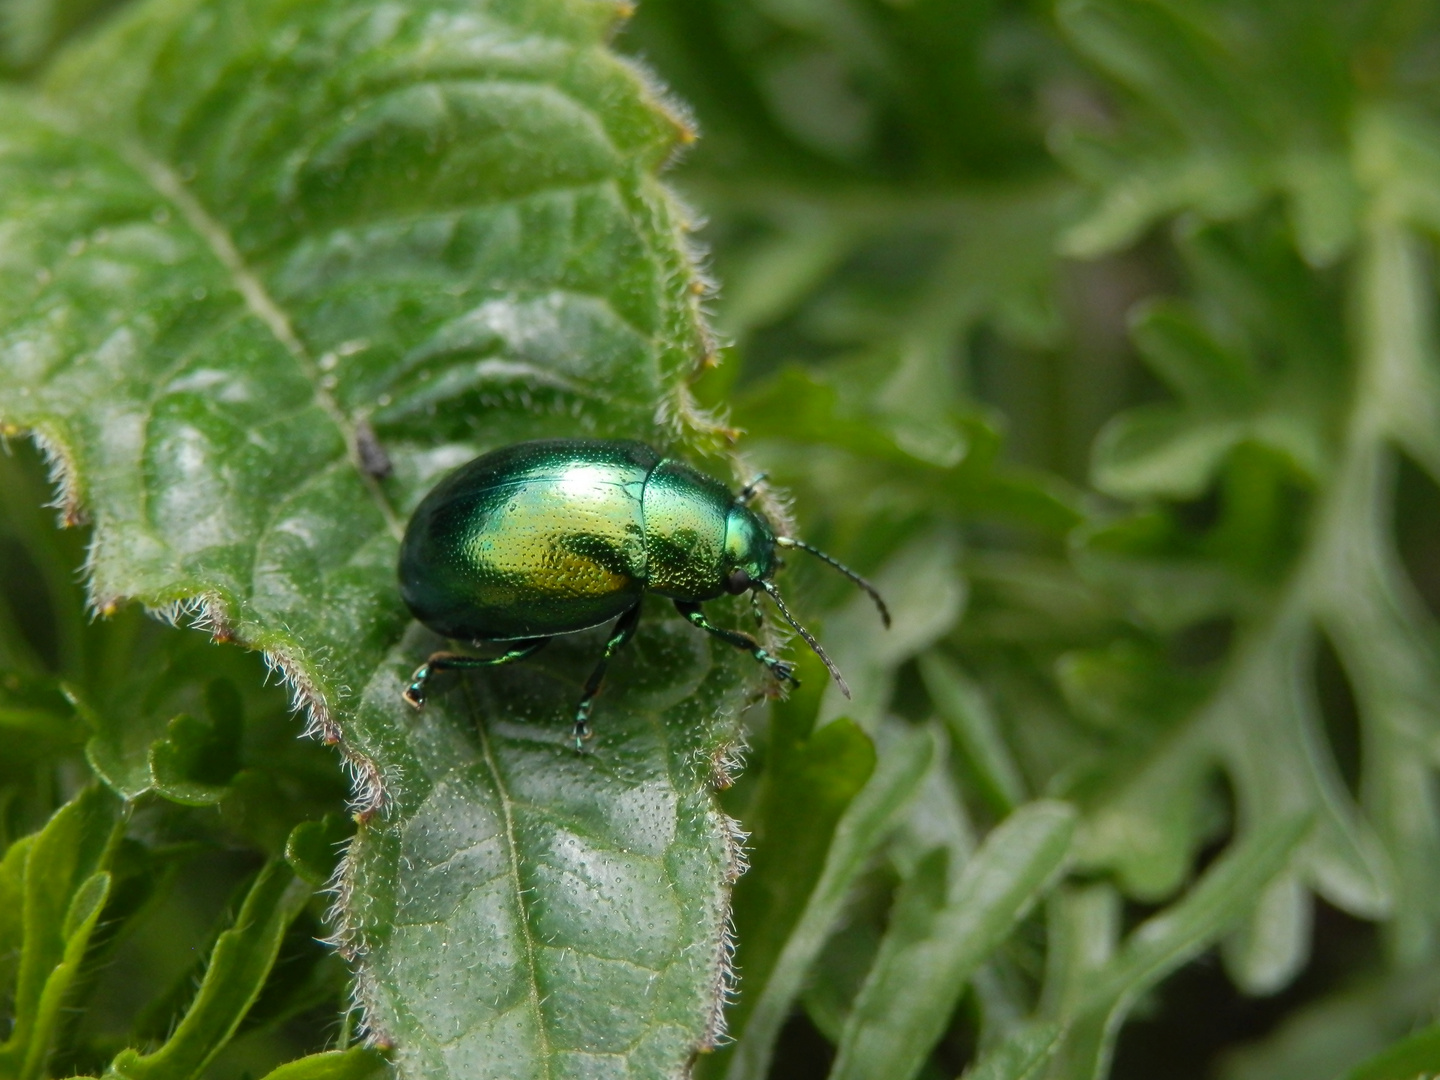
557,536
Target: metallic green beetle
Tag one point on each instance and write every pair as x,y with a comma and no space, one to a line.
557,536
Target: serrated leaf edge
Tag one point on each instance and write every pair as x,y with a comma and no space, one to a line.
677,413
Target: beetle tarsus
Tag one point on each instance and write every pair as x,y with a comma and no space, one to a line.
782,670
414,694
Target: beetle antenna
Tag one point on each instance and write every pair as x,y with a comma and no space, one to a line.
874,593
769,587
748,491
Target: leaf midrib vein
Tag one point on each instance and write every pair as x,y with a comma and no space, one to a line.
260,303
527,936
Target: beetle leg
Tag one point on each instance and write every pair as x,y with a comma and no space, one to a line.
449,661
623,632
779,668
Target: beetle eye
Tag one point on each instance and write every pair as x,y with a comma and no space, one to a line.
737,582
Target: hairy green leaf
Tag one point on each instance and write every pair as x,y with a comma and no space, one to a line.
576,901
277,268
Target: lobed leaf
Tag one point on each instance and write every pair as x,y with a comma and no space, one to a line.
1262,724
866,822
62,889
1210,143
239,965
1096,988
935,941
1184,69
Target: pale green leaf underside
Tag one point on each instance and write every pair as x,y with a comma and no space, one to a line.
1217,128
869,819
238,235
935,943
1021,1056
357,1063
1099,983
1263,725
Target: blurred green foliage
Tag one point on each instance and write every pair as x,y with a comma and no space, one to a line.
271,270
1101,335
1127,305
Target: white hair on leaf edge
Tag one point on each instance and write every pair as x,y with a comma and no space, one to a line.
726,985
207,612
63,476
348,941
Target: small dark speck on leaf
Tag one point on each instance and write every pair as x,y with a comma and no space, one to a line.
373,458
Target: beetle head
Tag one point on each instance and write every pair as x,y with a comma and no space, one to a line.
749,548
